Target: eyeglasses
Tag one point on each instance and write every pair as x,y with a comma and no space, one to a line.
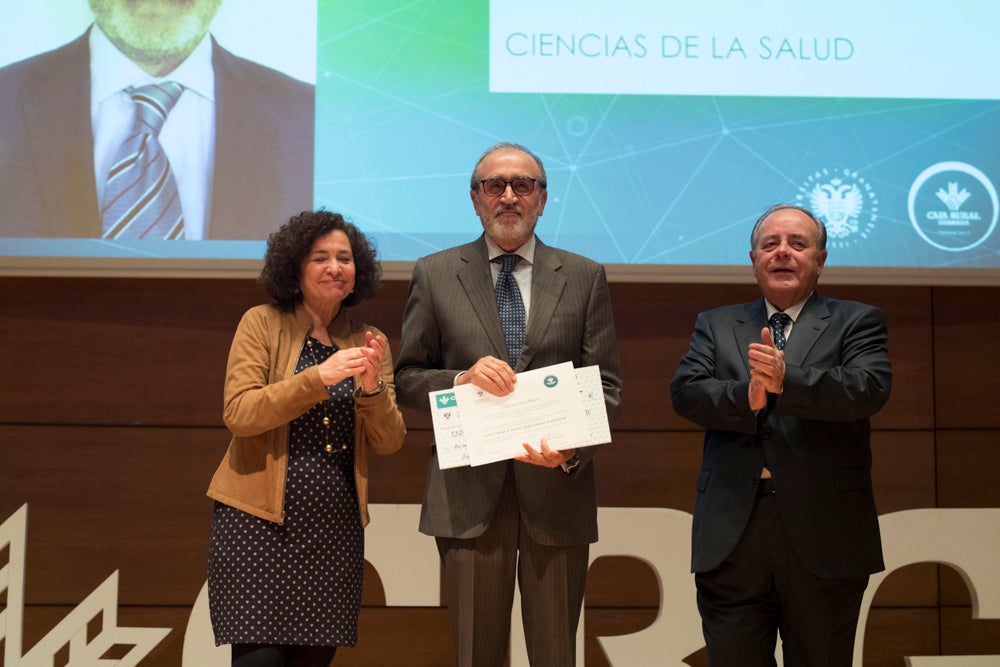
496,186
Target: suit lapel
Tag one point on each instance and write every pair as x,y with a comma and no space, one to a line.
747,330
812,321
477,281
547,285
233,135
61,139
264,138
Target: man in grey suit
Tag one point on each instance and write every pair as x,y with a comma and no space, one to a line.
533,518
785,529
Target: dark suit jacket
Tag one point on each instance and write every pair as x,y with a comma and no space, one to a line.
451,320
814,437
263,147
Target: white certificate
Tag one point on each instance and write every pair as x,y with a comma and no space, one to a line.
448,435
559,403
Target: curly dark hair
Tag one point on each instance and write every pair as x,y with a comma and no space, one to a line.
289,246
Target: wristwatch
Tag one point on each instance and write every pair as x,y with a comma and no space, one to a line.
572,464
360,392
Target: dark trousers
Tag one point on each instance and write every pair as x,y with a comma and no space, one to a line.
479,575
763,589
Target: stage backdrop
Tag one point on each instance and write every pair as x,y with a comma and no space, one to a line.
665,127
110,429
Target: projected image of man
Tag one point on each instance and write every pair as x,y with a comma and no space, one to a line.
146,128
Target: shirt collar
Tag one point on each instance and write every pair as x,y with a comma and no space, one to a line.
792,311
526,251
111,71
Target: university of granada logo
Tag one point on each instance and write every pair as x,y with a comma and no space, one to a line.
844,201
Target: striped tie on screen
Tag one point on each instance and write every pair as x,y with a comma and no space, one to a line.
141,200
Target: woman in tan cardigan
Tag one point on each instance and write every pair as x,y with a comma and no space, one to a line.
308,393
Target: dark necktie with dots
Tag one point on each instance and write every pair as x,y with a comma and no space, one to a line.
778,322
511,306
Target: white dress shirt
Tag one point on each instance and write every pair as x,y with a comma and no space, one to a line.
792,311
187,137
522,272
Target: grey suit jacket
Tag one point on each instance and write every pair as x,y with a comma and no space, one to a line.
451,321
814,437
263,147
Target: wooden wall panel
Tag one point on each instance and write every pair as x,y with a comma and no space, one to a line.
892,634
110,429
654,325
954,591
908,316
149,352
903,470
960,632
153,352
968,466
102,499
963,635
649,469
903,478
966,331
968,470
85,351
910,586
117,467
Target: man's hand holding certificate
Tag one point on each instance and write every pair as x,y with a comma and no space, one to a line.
563,405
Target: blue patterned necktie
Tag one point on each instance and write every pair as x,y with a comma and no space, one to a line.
141,200
778,322
510,305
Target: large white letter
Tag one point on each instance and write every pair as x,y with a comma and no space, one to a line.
966,539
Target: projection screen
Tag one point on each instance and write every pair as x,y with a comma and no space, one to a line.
665,129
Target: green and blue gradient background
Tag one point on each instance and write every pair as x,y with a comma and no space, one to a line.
404,110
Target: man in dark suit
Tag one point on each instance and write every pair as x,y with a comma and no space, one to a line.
248,138
785,529
533,518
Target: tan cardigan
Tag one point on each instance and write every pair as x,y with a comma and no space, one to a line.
263,394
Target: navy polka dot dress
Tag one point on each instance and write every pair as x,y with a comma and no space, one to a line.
297,583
